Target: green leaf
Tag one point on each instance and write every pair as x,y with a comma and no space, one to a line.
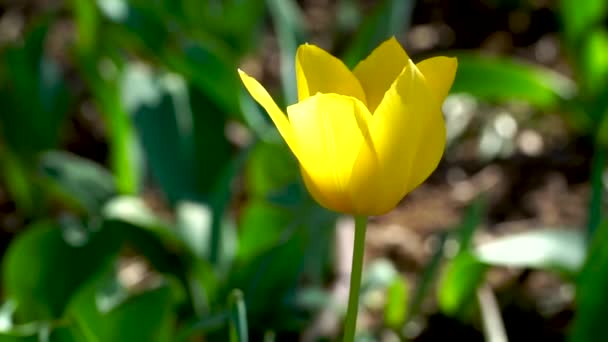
389,18
397,301
580,17
140,25
211,67
41,331
272,274
116,10
194,227
138,224
83,181
54,331
238,317
427,278
270,174
215,159
146,316
222,244
32,79
241,23
166,144
101,74
271,167
557,249
378,274
182,135
195,223
157,241
591,294
284,236
594,60
261,228
459,282
87,20
45,266
210,323
133,210
10,337
458,295
505,79
234,22
18,181
202,58
473,216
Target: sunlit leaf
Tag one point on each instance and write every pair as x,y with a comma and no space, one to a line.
379,274
132,210
195,224
505,79
545,249
116,10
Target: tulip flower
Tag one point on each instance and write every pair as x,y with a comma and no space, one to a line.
366,138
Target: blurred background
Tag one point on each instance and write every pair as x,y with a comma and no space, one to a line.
144,196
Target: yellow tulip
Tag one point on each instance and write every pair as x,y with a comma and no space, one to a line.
363,139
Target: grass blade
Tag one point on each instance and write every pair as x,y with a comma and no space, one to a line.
238,317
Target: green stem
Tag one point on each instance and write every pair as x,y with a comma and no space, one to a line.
355,279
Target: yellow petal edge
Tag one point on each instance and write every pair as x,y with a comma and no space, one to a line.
379,70
259,93
317,71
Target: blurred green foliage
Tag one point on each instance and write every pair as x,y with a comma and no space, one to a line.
225,239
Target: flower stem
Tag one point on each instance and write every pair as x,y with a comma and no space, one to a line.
355,279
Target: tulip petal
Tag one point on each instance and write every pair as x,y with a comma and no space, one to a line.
319,72
408,138
379,70
329,129
259,93
439,73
